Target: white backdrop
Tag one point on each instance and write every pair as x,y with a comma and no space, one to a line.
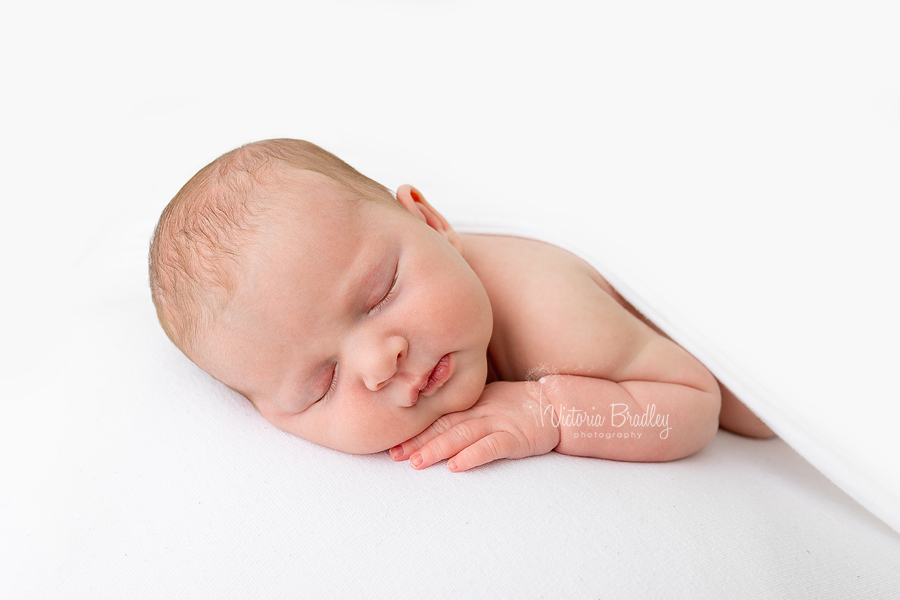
769,132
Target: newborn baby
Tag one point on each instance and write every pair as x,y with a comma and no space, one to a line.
362,321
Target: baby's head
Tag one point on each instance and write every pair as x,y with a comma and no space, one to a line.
345,315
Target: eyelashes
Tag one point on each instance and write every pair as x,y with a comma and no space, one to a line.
332,386
388,295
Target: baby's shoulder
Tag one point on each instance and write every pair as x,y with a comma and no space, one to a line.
512,266
550,307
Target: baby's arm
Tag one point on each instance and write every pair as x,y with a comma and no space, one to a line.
634,420
650,419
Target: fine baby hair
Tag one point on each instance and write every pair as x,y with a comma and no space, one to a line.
195,248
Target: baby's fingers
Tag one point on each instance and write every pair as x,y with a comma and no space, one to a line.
410,446
501,444
451,442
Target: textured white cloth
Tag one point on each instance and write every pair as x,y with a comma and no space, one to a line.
144,478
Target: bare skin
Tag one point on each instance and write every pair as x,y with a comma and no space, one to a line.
598,356
367,326
734,415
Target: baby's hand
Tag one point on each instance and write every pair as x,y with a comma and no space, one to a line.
504,423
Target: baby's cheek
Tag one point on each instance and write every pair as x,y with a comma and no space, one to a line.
466,394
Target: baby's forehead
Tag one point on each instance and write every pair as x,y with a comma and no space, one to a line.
307,203
306,266
315,227
308,197
311,219
290,188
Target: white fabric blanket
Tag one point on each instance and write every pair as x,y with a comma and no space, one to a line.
131,474
732,170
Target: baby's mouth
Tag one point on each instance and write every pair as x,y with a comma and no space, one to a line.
438,376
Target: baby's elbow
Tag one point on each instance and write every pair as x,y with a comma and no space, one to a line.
708,419
700,425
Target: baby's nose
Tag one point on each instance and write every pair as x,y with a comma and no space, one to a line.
382,363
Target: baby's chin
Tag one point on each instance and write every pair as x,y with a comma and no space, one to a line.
468,401
384,444
463,396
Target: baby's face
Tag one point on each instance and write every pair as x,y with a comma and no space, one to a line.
358,325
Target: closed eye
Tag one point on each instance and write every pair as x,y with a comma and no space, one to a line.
389,294
384,300
330,387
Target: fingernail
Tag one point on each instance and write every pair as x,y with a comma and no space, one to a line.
452,465
396,452
416,460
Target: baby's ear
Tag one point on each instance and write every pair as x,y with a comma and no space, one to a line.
413,200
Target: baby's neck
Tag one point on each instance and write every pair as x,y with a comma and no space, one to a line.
479,257
491,370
